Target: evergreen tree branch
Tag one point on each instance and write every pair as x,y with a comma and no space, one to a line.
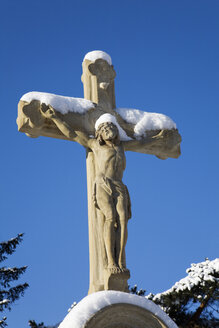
12,295
203,305
9,294
8,247
10,274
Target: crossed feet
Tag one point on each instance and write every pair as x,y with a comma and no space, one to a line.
113,268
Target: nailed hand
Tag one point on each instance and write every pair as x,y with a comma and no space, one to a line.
48,111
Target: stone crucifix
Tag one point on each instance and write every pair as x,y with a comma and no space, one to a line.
106,133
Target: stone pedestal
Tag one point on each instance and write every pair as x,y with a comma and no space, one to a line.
116,281
113,309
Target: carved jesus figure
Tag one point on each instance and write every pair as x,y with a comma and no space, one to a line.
110,195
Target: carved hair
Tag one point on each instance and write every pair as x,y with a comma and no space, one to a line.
98,133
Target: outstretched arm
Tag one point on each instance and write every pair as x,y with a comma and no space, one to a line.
163,145
131,144
83,139
78,136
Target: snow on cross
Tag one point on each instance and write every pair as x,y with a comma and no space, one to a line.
74,119
141,120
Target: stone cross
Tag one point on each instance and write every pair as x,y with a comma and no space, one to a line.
106,133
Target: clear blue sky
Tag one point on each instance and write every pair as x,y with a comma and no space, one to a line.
166,55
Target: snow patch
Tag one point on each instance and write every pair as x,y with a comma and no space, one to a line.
145,121
98,54
142,121
110,118
5,301
198,273
60,103
93,303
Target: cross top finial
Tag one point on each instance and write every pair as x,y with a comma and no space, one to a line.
98,79
98,54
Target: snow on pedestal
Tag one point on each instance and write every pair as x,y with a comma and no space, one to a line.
93,304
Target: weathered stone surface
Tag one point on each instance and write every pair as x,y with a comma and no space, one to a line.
109,205
116,281
124,316
31,121
109,309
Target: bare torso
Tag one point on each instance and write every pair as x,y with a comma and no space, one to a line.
110,160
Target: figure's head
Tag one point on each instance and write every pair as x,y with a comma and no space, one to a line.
107,131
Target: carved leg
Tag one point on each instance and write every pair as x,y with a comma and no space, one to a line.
109,238
121,209
118,237
123,240
106,206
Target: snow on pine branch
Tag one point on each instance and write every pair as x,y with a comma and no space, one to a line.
10,274
8,247
3,323
4,302
199,274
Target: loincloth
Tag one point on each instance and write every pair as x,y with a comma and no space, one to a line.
114,189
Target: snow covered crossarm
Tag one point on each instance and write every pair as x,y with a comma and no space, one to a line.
61,103
82,114
74,111
145,121
143,125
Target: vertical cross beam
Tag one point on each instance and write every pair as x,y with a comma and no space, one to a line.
98,81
